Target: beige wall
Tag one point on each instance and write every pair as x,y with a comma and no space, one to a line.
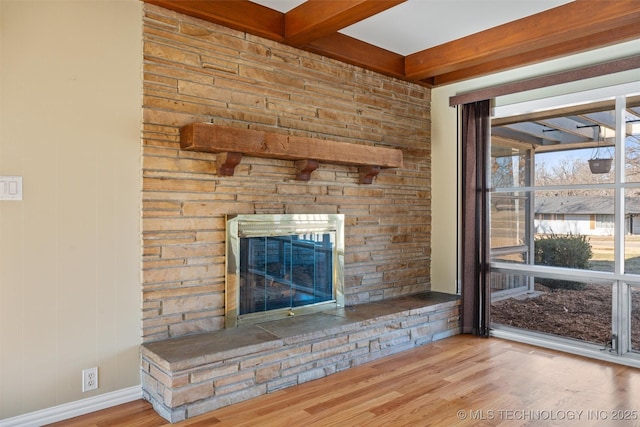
443,142
69,252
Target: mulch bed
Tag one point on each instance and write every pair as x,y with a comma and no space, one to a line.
581,314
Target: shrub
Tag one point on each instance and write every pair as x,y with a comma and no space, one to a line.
570,251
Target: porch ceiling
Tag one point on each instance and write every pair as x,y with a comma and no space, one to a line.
568,129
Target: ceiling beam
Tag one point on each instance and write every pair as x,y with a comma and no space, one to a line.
352,51
575,27
534,38
606,38
242,15
315,19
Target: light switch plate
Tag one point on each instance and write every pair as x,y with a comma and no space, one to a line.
10,188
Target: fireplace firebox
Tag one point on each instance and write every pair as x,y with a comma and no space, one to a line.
282,265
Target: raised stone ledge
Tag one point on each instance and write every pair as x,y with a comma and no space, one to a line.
187,376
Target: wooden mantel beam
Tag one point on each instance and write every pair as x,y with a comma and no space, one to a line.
211,138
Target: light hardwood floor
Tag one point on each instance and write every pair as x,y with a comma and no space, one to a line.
461,380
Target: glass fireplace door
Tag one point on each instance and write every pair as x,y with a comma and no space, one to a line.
285,271
279,265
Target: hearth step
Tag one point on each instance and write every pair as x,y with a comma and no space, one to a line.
187,376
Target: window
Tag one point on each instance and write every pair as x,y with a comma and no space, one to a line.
565,224
604,221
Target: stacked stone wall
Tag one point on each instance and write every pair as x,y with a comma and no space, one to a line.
195,71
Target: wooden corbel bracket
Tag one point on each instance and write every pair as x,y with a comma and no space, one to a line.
305,167
227,162
231,143
367,173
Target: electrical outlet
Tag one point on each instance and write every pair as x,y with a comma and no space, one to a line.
89,379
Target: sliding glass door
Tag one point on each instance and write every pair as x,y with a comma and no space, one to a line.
565,225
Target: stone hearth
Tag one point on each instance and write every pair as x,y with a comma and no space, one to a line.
188,376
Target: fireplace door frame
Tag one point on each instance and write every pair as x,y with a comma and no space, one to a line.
266,225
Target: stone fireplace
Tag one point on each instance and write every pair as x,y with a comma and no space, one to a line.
199,73
280,266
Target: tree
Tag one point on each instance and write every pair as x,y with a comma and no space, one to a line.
570,171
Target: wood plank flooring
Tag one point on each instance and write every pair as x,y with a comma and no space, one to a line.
458,381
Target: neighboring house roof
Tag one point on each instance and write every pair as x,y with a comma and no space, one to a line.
585,205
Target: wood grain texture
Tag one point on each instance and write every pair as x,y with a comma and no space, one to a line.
210,138
461,380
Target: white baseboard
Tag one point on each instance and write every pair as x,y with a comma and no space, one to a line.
74,409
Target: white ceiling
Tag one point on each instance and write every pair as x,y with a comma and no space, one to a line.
416,25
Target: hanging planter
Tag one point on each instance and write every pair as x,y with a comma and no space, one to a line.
599,164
